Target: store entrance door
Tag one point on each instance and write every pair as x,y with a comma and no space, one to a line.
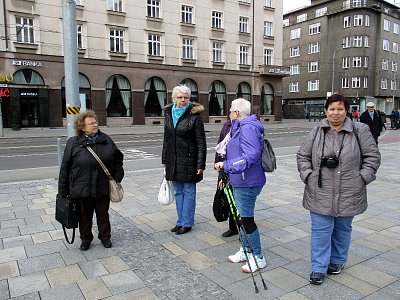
29,108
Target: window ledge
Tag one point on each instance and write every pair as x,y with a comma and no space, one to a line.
155,58
218,64
244,33
81,50
117,54
244,67
79,7
244,2
269,8
217,29
154,19
26,45
269,37
116,13
188,61
192,25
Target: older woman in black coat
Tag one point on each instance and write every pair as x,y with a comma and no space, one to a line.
184,154
82,178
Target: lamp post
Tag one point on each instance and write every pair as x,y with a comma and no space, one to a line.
333,67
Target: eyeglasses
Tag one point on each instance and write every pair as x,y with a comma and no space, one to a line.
370,106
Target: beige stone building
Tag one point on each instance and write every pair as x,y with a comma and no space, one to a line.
132,53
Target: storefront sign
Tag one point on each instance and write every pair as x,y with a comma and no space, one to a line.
4,92
279,70
27,63
28,94
6,77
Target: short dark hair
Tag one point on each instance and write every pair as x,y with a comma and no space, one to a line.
337,98
79,122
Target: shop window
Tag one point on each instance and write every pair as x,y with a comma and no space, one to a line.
191,84
28,76
84,93
217,99
267,100
244,91
155,97
118,97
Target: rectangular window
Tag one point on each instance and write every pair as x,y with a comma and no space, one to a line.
394,66
357,62
384,84
314,28
301,18
116,40
346,22
187,14
393,85
346,42
346,62
358,20
295,33
268,28
386,25
244,24
346,4
313,48
79,36
365,84
217,52
355,82
357,41
321,12
153,8
385,45
345,83
78,2
268,3
385,64
294,51
366,60
366,20
366,41
268,57
115,5
285,22
293,87
154,44
396,28
294,69
24,30
313,67
358,3
187,48
313,85
243,55
216,19
395,47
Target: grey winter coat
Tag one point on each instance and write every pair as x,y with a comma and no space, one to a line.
343,189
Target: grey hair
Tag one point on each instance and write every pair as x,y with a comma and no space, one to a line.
241,105
180,89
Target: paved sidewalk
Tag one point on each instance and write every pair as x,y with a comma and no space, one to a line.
147,261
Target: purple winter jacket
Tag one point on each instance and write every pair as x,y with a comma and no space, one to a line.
243,153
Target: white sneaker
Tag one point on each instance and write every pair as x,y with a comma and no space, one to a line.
260,261
238,256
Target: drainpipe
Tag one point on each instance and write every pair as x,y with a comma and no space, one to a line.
5,24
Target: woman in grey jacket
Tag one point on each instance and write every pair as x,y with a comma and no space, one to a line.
336,162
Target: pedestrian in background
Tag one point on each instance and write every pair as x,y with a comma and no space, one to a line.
184,154
394,119
242,163
84,180
336,162
372,118
356,116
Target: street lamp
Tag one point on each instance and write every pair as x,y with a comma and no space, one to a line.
333,66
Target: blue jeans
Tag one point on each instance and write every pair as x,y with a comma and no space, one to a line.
246,202
330,241
185,200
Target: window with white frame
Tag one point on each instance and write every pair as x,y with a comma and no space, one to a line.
217,52
314,28
357,41
366,61
301,18
187,14
346,21
345,83
154,45
313,48
268,56
285,22
24,30
346,62
346,42
394,66
385,64
365,83
293,87
268,3
79,28
295,33
366,21
153,8
313,67
243,55
116,40
357,62
355,82
294,51
393,85
187,48
115,5
386,25
268,28
295,69
385,45
396,28
78,2
359,3
395,47
346,4
244,24
358,20
321,12
216,19
384,84
366,41
313,85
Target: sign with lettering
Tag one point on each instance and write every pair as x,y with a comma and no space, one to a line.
4,92
27,63
28,94
6,77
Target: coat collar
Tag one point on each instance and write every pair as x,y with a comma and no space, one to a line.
347,126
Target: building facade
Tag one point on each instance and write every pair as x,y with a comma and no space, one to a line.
345,46
132,53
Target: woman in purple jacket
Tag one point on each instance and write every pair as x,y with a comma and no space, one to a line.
243,164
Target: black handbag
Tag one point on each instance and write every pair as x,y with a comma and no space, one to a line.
67,213
220,206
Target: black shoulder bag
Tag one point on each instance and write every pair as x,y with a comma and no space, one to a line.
67,213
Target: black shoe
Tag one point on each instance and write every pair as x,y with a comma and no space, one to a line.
84,246
229,233
176,228
316,277
334,269
106,243
183,230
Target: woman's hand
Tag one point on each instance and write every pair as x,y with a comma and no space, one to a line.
199,171
219,166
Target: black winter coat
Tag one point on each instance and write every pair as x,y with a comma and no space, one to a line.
81,176
375,125
184,147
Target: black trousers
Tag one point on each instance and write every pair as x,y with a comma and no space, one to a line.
88,207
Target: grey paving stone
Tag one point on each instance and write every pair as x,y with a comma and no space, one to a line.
67,292
9,232
34,220
27,284
329,290
17,241
30,213
380,296
4,292
97,251
40,263
31,296
34,228
122,282
45,248
93,268
73,256
12,223
392,290
7,216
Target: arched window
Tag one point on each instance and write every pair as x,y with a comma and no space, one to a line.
191,84
267,100
28,76
118,97
217,99
244,91
84,92
155,96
